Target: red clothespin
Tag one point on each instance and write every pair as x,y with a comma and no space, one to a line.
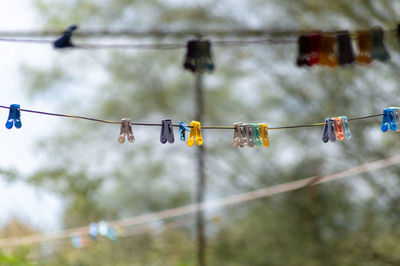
339,129
314,44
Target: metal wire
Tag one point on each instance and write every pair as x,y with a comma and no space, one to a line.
175,125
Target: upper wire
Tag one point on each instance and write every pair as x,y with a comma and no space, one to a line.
175,125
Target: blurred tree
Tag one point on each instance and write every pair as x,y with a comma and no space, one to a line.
343,223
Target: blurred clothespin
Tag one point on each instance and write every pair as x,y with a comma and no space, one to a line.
65,40
167,132
314,45
182,130
328,55
304,50
195,134
345,48
329,130
264,134
388,120
126,131
339,129
249,135
345,124
93,231
364,42
237,135
198,56
256,135
379,50
14,117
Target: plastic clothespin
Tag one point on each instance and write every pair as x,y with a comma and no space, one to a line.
379,50
328,56
126,131
167,132
237,134
264,134
256,135
207,63
303,55
345,48
314,44
396,117
182,130
243,135
249,135
364,42
339,129
329,130
195,134
190,57
388,120
14,117
345,123
65,40
93,231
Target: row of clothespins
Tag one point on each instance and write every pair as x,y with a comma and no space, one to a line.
331,50
250,135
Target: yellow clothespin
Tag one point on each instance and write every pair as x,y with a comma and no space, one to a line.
264,134
195,134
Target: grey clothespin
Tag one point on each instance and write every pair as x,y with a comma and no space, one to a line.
249,135
237,136
126,131
167,132
243,136
329,130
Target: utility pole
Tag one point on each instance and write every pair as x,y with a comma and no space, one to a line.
201,176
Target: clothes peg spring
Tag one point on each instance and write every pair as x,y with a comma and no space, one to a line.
345,123
167,132
303,55
126,131
249,135
379,50
65,40
256,135
339,130
182,130
345,48
314,45
388,120
328,56
14,117
237,134
195,134
364,42
264,134
329,130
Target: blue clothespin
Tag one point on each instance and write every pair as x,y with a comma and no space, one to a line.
93,231
182,129
329,130
388,120
65,40
345,123
14,117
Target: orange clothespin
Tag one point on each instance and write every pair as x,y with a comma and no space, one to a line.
195,134
264,134
364,41
339,130
328,56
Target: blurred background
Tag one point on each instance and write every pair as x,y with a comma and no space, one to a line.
65,173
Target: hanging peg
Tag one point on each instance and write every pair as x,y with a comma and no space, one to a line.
396,117
126,131
167,132
303,55
345,123
328,55
314,44
182,130
364,42
388,120
195,134
14,117
256,135
345,48
65,40
379,50
237,135
207,63
249,135
339,130
191,54
329,130
264,134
